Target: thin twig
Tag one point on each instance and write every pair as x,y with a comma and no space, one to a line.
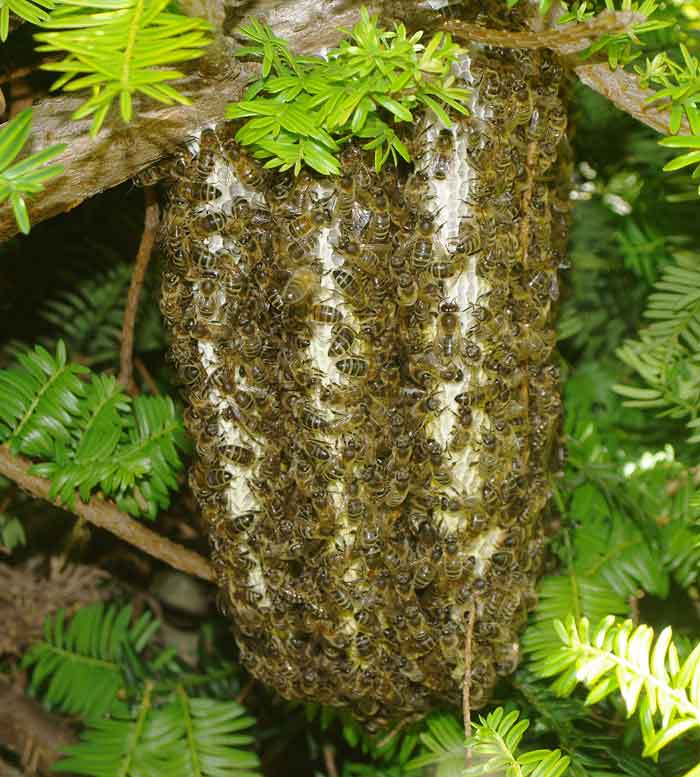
146,376
143,257
243,695
565,39
107,516
466,684
329,761
394,731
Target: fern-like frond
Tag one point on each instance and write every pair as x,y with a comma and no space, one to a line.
211,742
39,401
89,317
493,748
119,49
647,673
496,739
27,176
80,665
444,743
610,547
91,436
128,744
667,354
560,595
185,738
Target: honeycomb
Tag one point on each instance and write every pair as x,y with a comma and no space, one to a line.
368,364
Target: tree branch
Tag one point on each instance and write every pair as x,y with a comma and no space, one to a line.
565,39
120,151
29,730
143,257
107,516
618,86
623,90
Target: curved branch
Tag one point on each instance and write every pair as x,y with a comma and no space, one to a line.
107,516
143,257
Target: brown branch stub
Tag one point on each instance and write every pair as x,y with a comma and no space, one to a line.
143,257
29,730
329,761
107,516
466,702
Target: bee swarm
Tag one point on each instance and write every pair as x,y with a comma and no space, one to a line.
369,367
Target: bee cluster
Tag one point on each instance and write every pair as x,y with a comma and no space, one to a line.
368,362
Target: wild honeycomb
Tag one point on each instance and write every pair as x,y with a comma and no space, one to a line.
368,362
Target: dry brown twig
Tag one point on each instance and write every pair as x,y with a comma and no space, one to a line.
466,701
143,257
329,761
146,376
107,516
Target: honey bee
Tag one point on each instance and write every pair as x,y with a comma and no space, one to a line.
380,222
248,172
444,149
237,454
356,510
342,338
317,450
416,189
348,283
210,222
422,245
407,290
344,196
299,287
204,192
325,314
206,162
310,221
359,255
152,175
447,340
398,490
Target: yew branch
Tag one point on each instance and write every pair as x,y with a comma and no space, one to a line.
107,516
